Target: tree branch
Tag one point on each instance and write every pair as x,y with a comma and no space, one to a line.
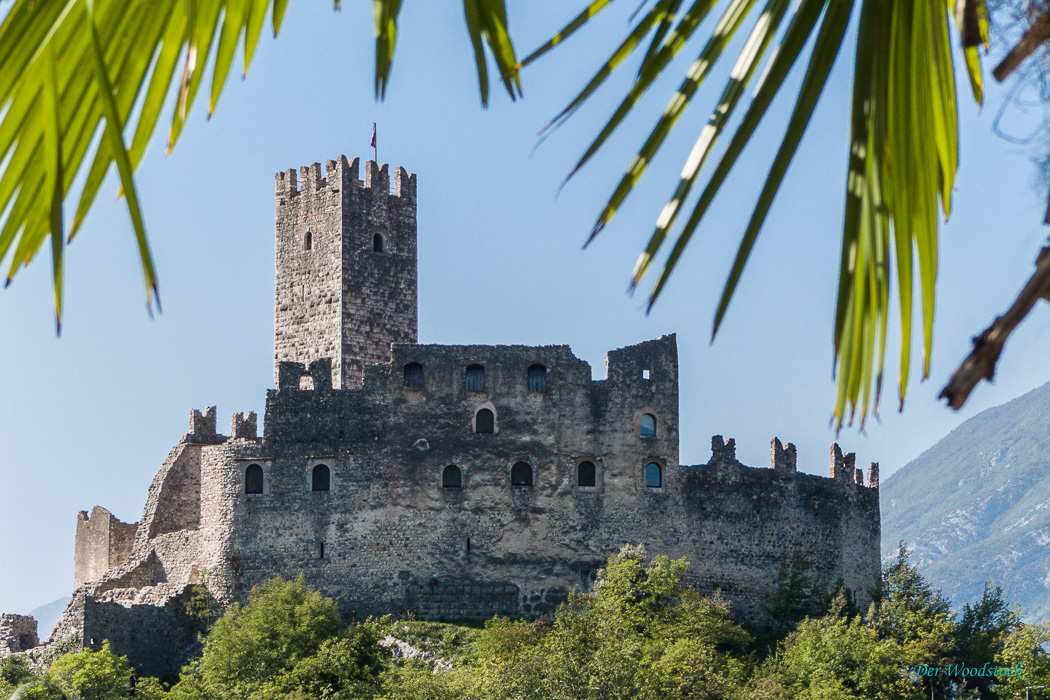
1032,40
980,364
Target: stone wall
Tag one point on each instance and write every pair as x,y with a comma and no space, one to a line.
102,542
17,634
379,287
158,638
387,531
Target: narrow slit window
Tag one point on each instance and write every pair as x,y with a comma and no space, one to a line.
475,378
654,476
586,474
521,474
452,477
414,376
377,243
253,479
648,425
308,242
484,422
321,479
320,554
537,378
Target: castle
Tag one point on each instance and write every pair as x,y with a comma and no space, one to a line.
450,481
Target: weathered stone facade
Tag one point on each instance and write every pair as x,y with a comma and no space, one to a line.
17,634
452,481
102,543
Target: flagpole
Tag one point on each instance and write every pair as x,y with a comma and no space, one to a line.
375,148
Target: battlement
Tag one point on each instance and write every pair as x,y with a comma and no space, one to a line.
843,467
784,459
202,423
340,173
244,426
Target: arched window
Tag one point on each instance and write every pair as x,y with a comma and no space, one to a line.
586,474
648,425
521,474
308,242
452,477
475,378
654,475
377,243
253,479
322,478
414,376
484,422
537,377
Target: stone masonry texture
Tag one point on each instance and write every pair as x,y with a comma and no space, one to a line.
359,400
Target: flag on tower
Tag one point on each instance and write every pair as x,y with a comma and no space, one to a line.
373,144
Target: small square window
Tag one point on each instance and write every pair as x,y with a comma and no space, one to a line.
645,374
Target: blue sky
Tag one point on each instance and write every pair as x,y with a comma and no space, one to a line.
88,418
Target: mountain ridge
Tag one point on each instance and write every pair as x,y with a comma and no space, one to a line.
976,506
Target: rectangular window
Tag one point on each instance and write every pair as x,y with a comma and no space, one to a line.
475,378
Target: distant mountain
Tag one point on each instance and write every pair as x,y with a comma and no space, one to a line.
976,506
47,615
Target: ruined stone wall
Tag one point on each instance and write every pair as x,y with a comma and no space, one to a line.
102,542
17,634
157,637
743,523
336,296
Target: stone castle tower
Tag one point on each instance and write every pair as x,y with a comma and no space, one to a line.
346,282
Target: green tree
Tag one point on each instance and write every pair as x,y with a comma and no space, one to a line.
798,594
93,675
347,666
980,635
836,658
642,634
283,624
39,690
13,673
908,612
285,642
69,70
1025,661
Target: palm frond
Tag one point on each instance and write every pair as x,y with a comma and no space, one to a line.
52,109
903,153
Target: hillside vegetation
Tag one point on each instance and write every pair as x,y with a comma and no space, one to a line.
641,634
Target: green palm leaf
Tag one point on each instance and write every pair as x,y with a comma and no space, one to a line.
903,157
51,110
